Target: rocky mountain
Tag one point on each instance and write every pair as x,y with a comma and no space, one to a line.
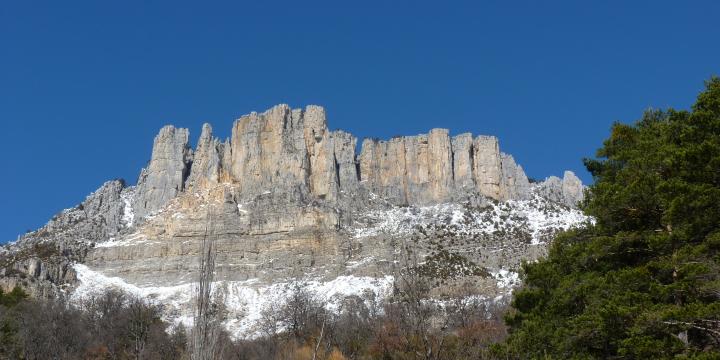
288,201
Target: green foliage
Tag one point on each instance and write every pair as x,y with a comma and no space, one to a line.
12,298
9,343
644,281
445,264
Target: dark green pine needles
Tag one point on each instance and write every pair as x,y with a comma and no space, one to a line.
644,281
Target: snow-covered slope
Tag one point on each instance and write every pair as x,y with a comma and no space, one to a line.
492,236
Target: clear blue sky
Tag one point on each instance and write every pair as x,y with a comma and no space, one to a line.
84,86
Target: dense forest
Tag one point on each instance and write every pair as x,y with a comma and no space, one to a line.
641,282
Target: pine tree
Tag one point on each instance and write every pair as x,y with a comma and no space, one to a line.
644,281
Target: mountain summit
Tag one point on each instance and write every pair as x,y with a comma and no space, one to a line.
287,202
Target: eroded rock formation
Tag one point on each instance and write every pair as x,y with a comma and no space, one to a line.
285,198
165,176
294,152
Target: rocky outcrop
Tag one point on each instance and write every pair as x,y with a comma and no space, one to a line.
293,152
165,176
347,166
101,215
487,166
323,175
572,189
568,191
207,159
514,183
462,149
269,153
41,260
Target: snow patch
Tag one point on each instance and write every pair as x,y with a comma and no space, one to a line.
506,279
536,216
131,240
128,212
244,300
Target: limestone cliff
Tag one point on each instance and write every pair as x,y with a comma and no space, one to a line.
293,152
165,176
286,199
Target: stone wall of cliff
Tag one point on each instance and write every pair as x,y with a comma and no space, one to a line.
293,152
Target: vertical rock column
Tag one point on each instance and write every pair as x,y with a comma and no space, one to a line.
206,165
165,176
572,189
486,166
369,164
410,169
321,151
416,166
393,180
440,168
463,162
344,149
383,169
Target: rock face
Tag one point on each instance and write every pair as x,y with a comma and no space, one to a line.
462,147
514,183
344,145
207,160
285,198
487,166
165,176
568,191
41,260
572,189
294,152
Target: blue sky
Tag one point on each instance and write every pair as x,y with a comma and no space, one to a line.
84,86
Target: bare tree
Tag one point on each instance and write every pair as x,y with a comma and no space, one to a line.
302,314
413,312
51,329
206,332
142,318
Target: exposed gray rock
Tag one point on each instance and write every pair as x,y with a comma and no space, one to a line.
99,216
463,163
206,165
572,189
41,260
323,175
568,191
269,153
165,176
487,166
344,149
514,183
440,167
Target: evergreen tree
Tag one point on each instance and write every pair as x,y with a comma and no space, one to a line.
644,281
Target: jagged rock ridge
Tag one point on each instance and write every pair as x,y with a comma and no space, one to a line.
294,152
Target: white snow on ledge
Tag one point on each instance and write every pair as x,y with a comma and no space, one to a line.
536,215
506,279
245,300
132,239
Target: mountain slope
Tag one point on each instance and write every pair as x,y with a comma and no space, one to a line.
288,201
